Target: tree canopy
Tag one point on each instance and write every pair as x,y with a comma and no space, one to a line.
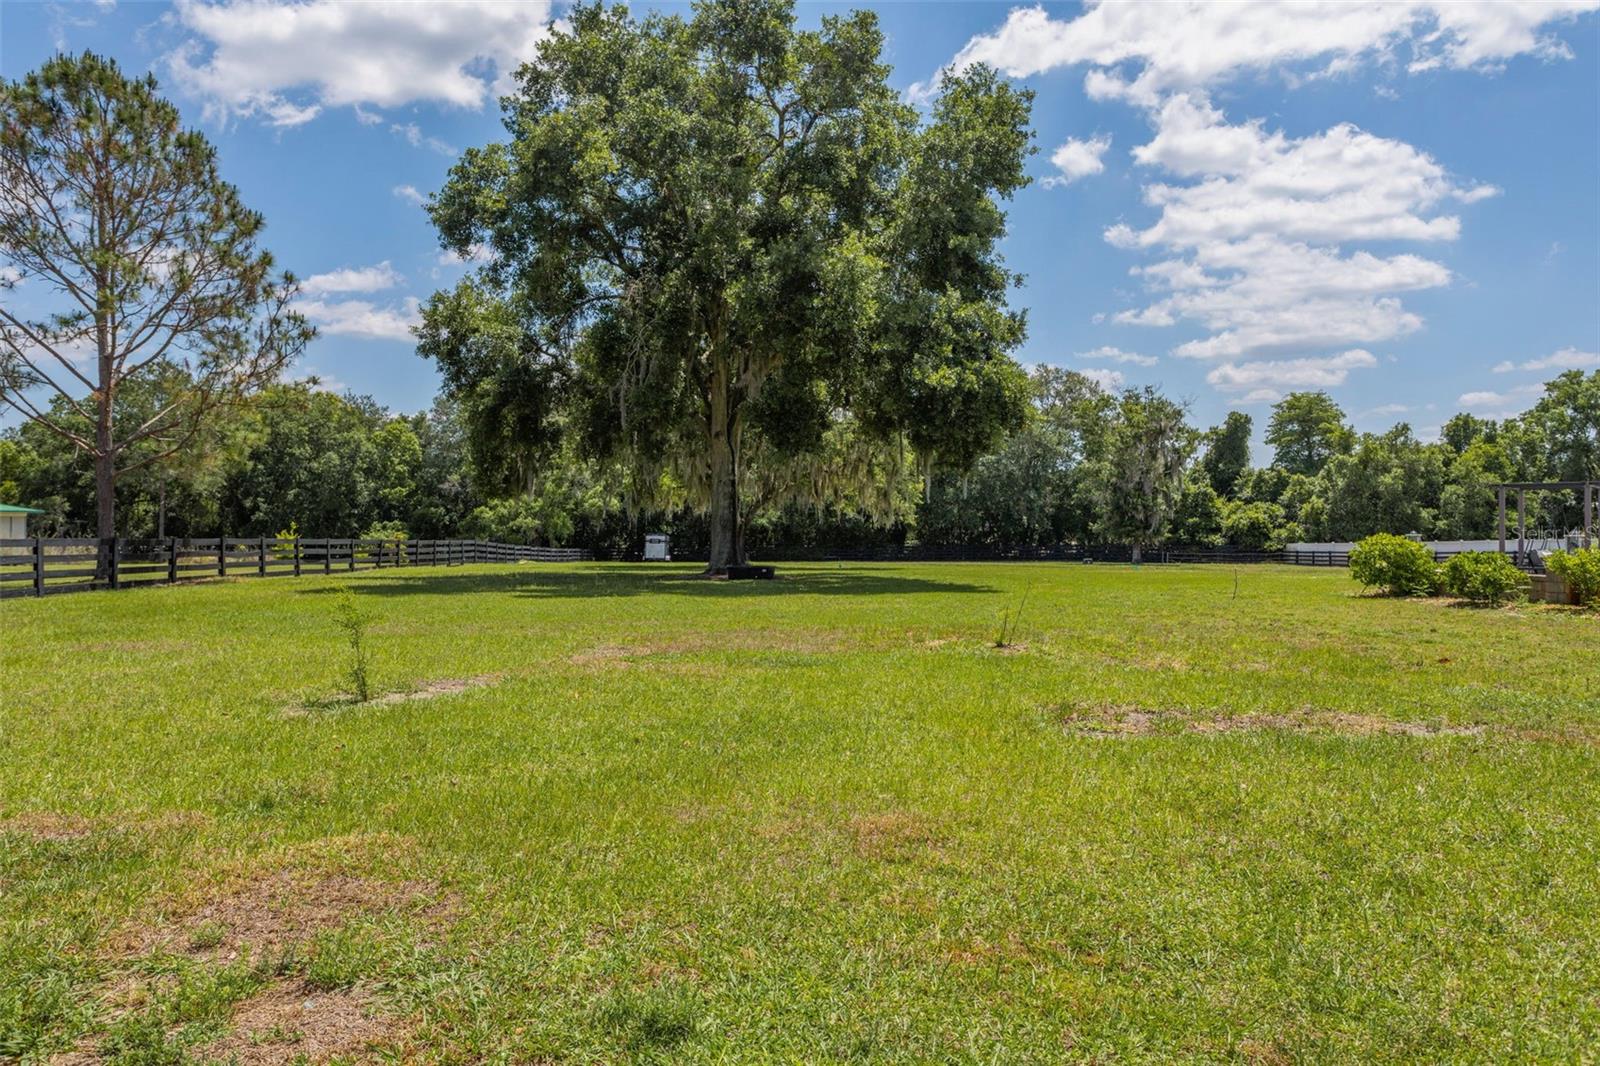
1227,454
1306,430
713,237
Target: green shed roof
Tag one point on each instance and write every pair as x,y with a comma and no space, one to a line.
11,508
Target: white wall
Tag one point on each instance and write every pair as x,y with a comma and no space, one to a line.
13,526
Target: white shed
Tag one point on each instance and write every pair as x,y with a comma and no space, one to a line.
14,521
657,548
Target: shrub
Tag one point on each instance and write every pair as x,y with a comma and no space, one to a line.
390,530
1253,526
284,542
1580,569
1398,566
393,536
1483,577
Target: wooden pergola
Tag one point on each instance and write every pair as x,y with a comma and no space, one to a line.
1589,493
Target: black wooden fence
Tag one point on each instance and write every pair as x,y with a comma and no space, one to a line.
1061,553
40,566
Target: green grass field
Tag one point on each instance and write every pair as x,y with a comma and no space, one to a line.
619,814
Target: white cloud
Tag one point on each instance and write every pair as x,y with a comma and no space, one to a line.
361,318
353,279
1342,184
1257,396
1110,354
1143,51
358,318
1078,159
1565,359
410,195
417,139
1264,295
1105,377
321,382
1258,230
285,60
1509,401
1385,410
480,253
1310,373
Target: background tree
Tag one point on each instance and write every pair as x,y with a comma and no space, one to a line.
1032,489
109,205
1227,454
1141,478
720,229
1306,430
1464,430
313,462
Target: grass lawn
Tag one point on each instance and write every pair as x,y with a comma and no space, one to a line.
613,813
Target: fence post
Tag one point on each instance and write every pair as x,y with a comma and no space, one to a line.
172,560
116,557
327,555
38,566
222,555
350,553
296,543
261,554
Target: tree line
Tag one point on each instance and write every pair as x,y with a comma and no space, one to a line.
1087,466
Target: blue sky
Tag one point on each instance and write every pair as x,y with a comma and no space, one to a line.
1397,201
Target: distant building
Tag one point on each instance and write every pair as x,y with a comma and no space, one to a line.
14,521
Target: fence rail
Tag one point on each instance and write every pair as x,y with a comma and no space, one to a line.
1064,553
42,566
1072,553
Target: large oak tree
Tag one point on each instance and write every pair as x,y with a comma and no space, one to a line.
712,239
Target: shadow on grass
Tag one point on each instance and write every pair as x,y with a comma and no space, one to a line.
584,581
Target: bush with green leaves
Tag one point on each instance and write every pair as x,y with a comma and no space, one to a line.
1398,566
392,536
1484,577
283,544
1580,569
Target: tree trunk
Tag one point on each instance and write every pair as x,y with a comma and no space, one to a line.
106,513
1138,556
105,459
727,526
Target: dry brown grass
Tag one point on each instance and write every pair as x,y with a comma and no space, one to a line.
292,1022
1123,720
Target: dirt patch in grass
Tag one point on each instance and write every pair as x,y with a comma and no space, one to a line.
892,835
282,910
1120,720
446,686
977,951
50,825
47,825
293,1022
